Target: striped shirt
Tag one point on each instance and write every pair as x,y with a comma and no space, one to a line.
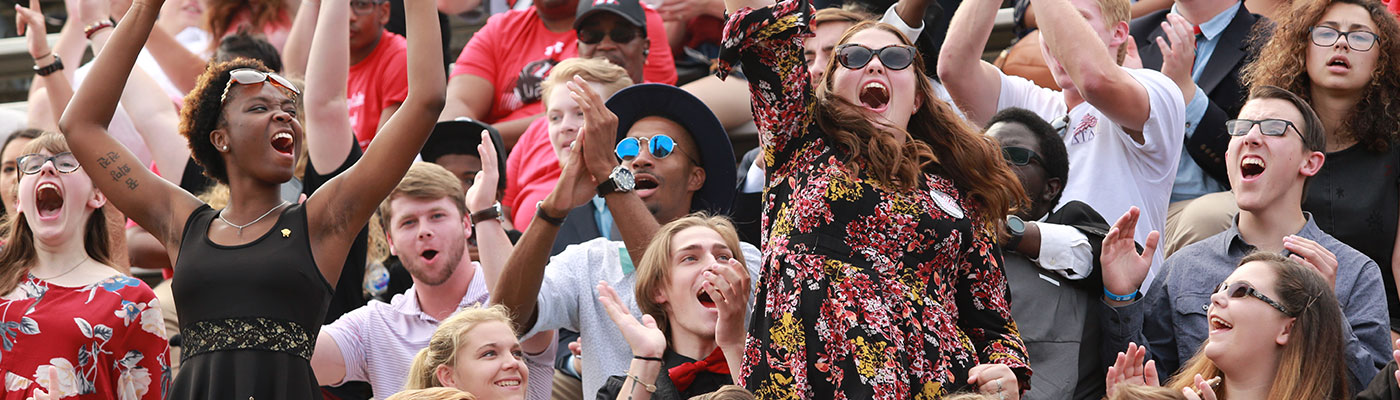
378,341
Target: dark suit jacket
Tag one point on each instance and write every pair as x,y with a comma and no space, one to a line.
1220,81
578,227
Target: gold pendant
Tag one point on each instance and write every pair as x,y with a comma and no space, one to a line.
286,233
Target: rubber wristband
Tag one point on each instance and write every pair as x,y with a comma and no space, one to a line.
644,358
1116,297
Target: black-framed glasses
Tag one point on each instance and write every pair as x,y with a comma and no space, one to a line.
249,76
1240,289
1326,36
620,34
364,7
659,145
1020,155
894,57
64,162
1268,127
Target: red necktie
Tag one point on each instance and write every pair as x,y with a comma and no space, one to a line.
683,375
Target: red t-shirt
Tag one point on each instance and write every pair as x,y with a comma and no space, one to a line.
375,83
531,171
516,41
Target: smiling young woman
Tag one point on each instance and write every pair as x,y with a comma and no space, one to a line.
881,278
253,279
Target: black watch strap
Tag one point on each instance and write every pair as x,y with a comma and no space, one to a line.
56,66
539,212
494,212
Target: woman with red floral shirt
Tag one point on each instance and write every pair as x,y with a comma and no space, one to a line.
70,324
881,275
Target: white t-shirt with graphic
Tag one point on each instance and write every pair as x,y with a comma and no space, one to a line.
1108,169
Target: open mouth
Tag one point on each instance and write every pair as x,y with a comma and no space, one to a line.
1219,324
874,95
1251,167
48,200
646,182
283,142
705,300
508,383
1339,61
429,255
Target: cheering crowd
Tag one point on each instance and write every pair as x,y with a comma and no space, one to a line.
712,199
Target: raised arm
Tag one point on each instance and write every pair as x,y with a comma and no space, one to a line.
49,94
974,85
155,204
493,246
327,69
158,124
298,48
339,209
181,65
1095,72
600,126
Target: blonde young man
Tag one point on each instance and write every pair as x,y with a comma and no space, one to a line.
1124,127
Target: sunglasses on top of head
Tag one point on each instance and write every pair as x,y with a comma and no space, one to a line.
620,34
894,57
1239,290
249,76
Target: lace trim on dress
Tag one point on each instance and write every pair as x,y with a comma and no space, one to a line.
250,333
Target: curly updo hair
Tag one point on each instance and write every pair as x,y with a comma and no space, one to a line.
204,112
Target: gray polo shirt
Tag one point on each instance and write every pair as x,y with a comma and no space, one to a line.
1171,319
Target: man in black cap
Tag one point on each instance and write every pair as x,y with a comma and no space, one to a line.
615,30
675,159
453,146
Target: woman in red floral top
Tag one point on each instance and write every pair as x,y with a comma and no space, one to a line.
71,326
881,275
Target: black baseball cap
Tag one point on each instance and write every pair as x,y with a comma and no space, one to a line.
630,10
716,152
461,136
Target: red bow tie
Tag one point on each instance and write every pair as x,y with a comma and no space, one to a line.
683,375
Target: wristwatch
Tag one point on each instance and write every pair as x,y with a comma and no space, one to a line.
1017,228
619,181
56,66
493,212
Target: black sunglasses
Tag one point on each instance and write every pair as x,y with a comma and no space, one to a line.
1326,36
64,162
621,34
894,57
1268,127
1240,289
1020,155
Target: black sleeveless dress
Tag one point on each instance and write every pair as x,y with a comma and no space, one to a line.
249,314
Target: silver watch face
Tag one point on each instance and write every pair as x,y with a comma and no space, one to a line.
624,179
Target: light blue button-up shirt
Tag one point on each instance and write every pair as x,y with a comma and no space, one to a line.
1191,181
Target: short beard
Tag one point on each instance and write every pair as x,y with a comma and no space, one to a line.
453,258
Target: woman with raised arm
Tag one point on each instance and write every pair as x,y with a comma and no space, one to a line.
881,275
253,279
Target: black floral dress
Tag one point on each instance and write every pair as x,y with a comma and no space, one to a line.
866,291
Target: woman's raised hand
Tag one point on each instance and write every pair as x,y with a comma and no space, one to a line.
29,22
1129,369
644,337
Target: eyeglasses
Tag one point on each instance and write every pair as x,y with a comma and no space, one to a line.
1020,155
894,57
249,76
1240,289
1268,127
660,146
64,162
362,8
621,34
1358,40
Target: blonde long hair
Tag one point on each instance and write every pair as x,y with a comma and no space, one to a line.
19,253
451,335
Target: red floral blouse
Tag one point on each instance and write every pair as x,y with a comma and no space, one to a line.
107,341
